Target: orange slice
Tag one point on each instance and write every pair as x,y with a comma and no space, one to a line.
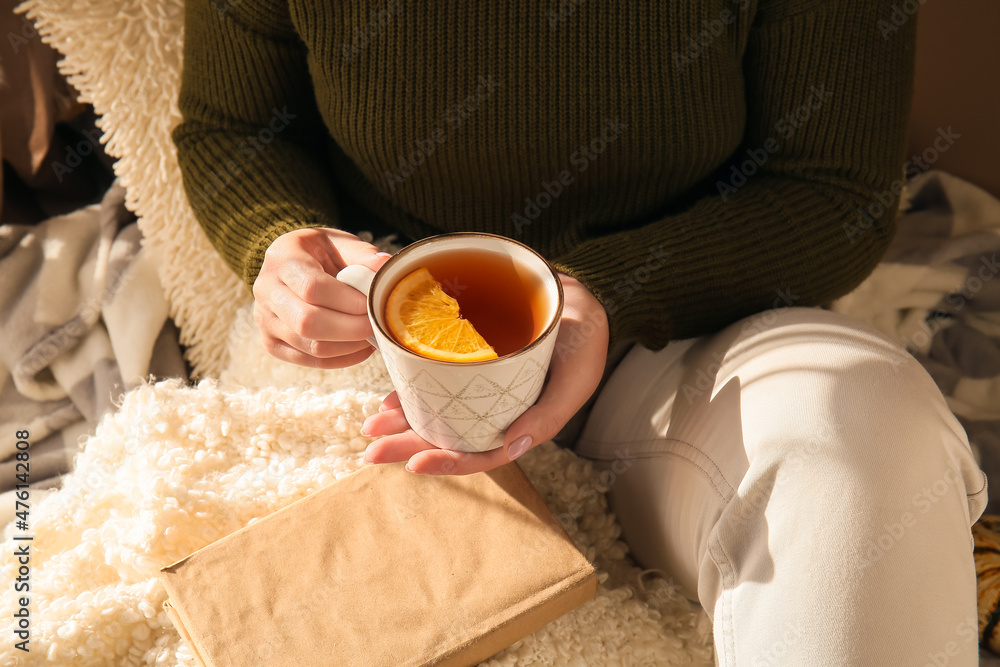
424,319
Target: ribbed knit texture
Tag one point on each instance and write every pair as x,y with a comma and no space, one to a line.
432,116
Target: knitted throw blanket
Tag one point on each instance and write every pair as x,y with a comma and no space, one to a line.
178,467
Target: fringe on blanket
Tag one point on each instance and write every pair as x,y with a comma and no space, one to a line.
124,56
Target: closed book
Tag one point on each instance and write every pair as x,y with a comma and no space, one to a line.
382,567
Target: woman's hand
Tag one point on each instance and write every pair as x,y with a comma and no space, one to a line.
574,373
305,315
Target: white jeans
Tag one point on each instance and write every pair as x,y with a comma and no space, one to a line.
801,476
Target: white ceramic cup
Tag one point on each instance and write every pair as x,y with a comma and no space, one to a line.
462,406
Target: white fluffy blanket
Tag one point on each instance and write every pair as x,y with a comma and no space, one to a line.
178,467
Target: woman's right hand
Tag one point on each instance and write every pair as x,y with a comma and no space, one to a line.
305,315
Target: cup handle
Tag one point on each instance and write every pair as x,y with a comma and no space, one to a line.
359,277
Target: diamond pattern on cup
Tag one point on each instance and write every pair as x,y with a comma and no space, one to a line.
479,387
457,412
476,413
436,427
505,404
527,372
425,384
480,431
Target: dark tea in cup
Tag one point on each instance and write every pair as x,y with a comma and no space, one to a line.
506,304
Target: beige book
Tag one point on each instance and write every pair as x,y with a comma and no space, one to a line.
383,567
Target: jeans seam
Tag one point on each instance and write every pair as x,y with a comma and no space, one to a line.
724,565
725,493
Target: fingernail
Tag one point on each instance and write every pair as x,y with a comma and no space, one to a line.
364,428
383,254
518,447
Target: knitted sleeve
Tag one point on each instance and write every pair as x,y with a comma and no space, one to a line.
804,209
247,144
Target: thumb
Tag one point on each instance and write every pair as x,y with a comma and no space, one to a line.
574,374
541,422
344,249
375,261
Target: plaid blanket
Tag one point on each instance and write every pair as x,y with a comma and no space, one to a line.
937,292
82,319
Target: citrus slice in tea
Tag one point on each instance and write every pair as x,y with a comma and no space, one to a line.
423,318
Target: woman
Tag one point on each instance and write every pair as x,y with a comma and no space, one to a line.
701,174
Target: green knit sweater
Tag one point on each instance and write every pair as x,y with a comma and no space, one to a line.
691,162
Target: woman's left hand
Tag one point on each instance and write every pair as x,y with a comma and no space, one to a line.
574,373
